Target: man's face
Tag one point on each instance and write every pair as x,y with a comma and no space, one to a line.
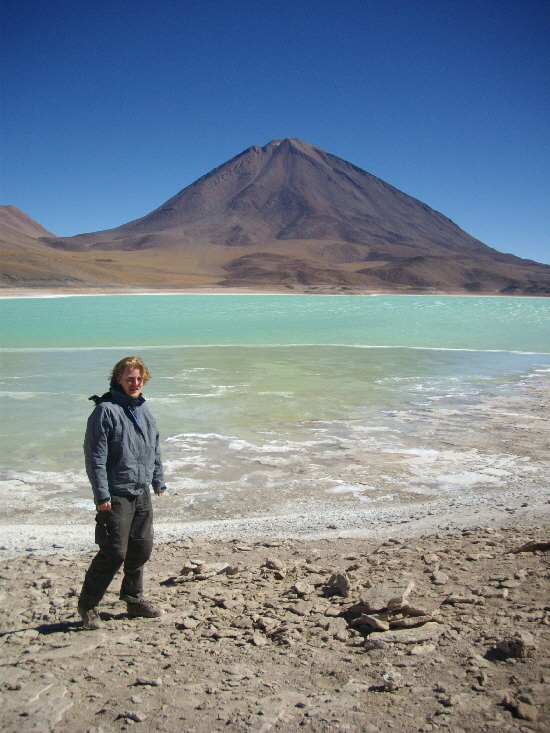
131,381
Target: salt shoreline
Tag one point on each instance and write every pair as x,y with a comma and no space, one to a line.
494,510
13,293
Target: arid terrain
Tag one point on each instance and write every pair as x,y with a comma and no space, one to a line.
278,635
285,217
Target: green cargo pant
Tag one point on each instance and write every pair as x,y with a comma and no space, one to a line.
124,534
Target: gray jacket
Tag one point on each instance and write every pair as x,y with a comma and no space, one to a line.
121,447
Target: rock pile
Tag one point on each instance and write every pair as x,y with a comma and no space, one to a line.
447,632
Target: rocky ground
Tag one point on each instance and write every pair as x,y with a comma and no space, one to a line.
442,632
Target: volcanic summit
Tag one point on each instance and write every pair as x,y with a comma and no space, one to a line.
289,215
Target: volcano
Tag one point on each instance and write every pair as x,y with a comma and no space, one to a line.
289,215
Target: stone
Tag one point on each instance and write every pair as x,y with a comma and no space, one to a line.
524,711
392,681
333,611
233,569
488,592
239,672
188,623
439,578
510,583
338,628
478,661
391,596
300,609
410,622
229,603
211,593
340,582
375,622
451,700
274,563
38,706
157,682
533,547
455,599
408,610
258,639
430,558
519,646
422,649
429,631
303,589
242,622
88,643
135,716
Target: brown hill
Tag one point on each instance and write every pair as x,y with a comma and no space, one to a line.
16,223
25,261
290,215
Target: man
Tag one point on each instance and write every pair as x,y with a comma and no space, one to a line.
122,454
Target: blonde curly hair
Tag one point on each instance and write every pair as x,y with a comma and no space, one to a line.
121,366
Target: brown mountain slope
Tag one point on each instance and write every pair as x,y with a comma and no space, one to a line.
26,262
15,224
290,215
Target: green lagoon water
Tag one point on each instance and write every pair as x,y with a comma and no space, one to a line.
510,324
237,376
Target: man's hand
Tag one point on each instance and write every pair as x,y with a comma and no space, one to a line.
104,507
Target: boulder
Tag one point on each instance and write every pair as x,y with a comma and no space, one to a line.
339,582
391,596
520,645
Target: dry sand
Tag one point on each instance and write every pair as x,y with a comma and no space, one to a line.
254,638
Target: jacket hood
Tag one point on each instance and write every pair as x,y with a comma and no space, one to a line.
118,395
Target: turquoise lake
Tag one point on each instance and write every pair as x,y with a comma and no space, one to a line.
238,377
510,324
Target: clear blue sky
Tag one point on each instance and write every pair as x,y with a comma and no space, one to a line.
110,107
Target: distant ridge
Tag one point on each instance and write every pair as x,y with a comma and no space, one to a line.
291,216
16,223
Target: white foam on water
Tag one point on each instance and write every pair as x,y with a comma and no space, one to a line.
67,480
271,446
23,395
161,347
182,437
172,466
88,505
186,484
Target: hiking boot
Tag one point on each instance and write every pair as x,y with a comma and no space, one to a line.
90,618
143,608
